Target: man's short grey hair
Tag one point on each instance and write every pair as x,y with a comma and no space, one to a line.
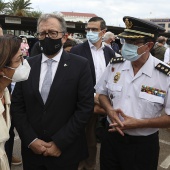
108,35
161,39
58,16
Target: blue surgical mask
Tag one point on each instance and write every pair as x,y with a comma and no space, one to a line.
93,37
129,52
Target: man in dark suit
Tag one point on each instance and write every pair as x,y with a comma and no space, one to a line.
99,56
52,125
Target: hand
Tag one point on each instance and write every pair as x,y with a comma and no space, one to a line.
39,146
99,110
128,123
52,151
114,117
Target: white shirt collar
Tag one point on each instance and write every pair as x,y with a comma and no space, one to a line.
55,58
93,47
147,68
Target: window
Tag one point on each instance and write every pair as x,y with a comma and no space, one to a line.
168,25
162,25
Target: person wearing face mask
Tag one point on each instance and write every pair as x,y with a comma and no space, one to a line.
99,56
50,110
12,67
134,91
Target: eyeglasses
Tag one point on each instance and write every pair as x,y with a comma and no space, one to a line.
131,41
51,34
92,29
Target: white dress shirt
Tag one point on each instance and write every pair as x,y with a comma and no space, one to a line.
44,67
125,93
98,59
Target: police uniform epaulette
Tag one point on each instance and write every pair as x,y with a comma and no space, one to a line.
163,68
117,60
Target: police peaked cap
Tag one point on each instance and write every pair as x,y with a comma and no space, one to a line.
138,28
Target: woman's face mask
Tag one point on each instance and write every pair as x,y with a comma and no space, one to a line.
21,72
129,51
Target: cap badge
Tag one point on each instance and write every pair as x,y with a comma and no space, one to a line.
128,23
116,77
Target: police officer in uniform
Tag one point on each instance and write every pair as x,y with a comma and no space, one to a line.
134,90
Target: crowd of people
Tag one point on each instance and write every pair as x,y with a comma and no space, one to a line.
67,96
161,49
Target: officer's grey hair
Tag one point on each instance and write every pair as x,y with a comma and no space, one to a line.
58,16
108,35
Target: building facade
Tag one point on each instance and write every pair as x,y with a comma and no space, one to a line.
164,22
77,17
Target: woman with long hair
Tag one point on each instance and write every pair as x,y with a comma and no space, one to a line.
12,68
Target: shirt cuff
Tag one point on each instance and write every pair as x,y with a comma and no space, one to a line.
32,142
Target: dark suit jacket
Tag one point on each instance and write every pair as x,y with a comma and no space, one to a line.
64,116
84,51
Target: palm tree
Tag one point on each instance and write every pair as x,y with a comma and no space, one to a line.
34,14
3,7
19,7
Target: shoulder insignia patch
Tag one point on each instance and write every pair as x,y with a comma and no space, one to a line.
117,60
163,68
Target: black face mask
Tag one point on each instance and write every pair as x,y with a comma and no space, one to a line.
50,46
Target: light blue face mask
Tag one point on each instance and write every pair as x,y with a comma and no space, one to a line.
93,37
129,52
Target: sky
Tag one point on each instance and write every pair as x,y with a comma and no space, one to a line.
112,11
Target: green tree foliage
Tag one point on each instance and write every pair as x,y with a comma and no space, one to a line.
3,7
19,7
35,14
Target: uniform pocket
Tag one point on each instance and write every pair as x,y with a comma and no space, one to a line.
150,104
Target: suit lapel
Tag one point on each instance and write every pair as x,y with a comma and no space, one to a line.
107,59
88,52
88,55
35,75
62,70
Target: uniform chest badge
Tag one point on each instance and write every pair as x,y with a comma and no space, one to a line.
153,91
116,77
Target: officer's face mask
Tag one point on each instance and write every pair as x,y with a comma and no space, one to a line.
93,37
129,51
